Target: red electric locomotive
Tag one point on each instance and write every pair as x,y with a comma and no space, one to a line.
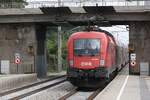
92,57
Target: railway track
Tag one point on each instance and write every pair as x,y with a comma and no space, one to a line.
76,92
69,94
72,94
19,93
94,94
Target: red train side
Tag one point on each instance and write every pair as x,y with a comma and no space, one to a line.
92,57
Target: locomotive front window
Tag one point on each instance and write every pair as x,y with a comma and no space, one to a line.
88,47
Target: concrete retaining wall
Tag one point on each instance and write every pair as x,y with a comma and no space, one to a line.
139,37
18,38
13,81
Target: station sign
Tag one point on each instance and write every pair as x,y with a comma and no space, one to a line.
17,55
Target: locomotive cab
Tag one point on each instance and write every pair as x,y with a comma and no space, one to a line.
87,58
86,53
94,57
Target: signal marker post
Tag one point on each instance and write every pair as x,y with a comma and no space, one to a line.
132,59
17,60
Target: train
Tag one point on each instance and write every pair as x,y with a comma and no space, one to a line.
94,56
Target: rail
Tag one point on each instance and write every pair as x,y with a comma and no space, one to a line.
77,90
74,91
5,93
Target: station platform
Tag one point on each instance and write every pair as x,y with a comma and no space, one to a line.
126,87
15,80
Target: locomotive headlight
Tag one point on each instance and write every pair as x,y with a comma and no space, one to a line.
71,62
102,62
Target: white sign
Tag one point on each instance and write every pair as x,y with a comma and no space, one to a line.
144,68
5,66
17,56
133,56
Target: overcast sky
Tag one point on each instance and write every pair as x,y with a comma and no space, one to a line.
120,32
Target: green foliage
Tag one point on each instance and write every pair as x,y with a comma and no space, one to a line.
52,48
52,45
51,42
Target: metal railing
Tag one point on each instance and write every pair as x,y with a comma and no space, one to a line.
80,3
73,3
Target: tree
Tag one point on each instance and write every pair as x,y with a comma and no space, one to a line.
13,3
52,45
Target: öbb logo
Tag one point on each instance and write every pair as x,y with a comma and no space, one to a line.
86,64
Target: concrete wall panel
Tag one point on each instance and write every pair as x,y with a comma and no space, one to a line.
16,38
140,37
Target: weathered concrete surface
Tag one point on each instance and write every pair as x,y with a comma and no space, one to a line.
66,14
36,11
139,37
17,38
13,81
123,88
20,11
132,9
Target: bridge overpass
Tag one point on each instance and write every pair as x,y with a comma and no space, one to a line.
76,15
28,28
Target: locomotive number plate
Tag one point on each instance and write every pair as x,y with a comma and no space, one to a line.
86,64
